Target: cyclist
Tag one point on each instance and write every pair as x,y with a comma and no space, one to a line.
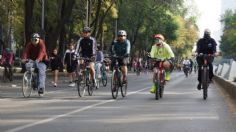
86,47
121,48
99,61
7,59
36,50
205,45
161,50
186,65
70,62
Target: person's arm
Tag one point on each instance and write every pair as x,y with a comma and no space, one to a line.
214,46
94,46
77,47
198,47
153,51
42,51
128,47
102,56
170,52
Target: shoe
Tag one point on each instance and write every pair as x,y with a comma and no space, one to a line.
55,84
167,78
199,86
71,84
40,92
153,89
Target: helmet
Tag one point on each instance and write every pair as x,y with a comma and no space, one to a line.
86,29
122,32
159,36
207,31
35,35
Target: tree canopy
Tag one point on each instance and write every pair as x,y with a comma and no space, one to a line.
64,20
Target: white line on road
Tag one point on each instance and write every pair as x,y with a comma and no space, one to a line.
67,114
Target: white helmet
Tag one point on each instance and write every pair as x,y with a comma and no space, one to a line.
122,32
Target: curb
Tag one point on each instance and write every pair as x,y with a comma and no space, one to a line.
228,86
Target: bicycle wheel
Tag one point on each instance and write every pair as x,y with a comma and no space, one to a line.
124,89
80,86
89,87
97,83
157,87
4,75
26,84
204,82
114,86
162,85
104,79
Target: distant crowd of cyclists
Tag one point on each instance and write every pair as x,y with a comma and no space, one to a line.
86,47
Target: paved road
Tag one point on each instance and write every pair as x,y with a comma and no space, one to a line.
61,110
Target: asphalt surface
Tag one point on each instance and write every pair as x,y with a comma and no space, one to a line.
182,108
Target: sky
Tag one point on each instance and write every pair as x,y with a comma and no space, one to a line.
210,12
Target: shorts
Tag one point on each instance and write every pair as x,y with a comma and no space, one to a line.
71,68
121,62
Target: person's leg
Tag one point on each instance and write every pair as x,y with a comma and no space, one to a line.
56,77
153,88
92,71
167,67
42,76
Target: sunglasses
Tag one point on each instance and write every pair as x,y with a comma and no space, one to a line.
121,35
34,39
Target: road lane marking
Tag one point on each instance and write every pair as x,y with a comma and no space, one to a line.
69,113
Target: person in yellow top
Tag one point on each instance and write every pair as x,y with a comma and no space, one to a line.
161,50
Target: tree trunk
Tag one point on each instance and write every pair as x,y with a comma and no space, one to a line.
29,5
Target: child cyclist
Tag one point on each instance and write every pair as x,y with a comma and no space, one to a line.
161,50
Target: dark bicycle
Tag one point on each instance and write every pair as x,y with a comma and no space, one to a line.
83,79
205,73
104,75
116,80
160,78
7,72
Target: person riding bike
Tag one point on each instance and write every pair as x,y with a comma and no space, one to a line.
86,47
7,59
205,45
161,50
121,48
99,61
36,51
186,65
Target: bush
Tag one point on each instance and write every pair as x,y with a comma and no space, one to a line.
234,79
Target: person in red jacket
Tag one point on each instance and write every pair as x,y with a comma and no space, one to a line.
36,51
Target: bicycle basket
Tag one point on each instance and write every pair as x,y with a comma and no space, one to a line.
29,66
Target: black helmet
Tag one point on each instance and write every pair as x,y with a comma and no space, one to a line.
35,35
86,29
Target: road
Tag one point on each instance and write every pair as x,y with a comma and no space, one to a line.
61,110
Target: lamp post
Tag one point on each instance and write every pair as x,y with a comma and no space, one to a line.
42,21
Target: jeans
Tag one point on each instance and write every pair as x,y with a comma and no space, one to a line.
98,69
42,75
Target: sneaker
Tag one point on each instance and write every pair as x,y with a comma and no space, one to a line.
40,92
72,84
199,86
55,84
153,89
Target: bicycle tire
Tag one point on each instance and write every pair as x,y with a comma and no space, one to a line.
162,85
4,75
89,87
97,83
204,82
114,86
104,79
80,87
26,84
157,87
124,89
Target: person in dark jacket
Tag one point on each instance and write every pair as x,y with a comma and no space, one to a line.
70,63
56,63
205,45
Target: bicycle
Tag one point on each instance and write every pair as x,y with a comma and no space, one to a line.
7,73
160,78
83,78
186,70
104,75
205,73
30,79
116,80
